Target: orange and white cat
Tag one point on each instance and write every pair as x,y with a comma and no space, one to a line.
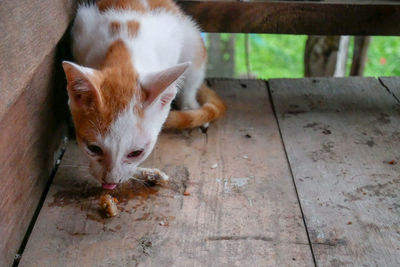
132,58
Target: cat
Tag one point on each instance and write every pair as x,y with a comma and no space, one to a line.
131,57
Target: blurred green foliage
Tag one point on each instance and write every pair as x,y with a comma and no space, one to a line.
281,56
383,57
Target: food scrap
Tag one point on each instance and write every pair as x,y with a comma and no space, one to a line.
349,222
186,193
109,205
163,223
214,166
392,162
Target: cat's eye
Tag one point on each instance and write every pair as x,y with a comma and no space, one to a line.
95,150
135,153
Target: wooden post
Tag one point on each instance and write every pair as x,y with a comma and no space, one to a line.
361,44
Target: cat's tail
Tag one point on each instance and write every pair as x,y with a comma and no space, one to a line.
212,107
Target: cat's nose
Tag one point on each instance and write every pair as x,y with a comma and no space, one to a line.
111,178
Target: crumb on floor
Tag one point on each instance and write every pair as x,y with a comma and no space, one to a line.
109,205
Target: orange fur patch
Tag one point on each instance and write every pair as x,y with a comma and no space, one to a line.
115,28
164,4
133,28
119,57
201,55
138,6
211,111
120,4
212,108
118,84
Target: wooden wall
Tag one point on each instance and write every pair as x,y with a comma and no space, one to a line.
32,109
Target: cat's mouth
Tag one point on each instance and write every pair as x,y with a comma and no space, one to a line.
108,186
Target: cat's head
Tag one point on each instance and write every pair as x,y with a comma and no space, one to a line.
118,115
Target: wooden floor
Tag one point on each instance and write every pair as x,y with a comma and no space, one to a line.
309,177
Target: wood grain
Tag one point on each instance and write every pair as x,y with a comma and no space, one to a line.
30,135
29,32
342,139
295,17
243,212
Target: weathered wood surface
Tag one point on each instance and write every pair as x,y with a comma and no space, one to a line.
32,110
244,212
29,32
341,137
392,84
296,17
30,134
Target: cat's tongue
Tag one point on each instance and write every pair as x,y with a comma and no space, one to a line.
109,186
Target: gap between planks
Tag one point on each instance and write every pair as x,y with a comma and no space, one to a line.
392,85
291,173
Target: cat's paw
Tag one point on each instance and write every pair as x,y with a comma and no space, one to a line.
154,175
163,176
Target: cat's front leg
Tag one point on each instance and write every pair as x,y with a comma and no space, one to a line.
151,175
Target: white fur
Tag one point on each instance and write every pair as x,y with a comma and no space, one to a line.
84,70
163,41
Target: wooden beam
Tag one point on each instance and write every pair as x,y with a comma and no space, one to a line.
289,17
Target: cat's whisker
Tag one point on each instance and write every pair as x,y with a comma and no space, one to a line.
95,126
74,166
67,159
74,161
68,164
140,181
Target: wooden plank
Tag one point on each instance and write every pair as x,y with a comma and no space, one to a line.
29,32
30,135
244,212
294,17
341,136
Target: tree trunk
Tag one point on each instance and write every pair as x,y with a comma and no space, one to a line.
221,56
361,44
320,55
340,69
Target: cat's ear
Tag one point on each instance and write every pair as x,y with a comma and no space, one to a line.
155,84
82,90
